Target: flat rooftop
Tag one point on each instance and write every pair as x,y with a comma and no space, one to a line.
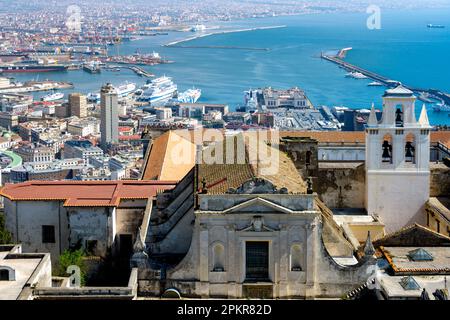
24,269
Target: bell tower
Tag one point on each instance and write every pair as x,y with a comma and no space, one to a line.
397,161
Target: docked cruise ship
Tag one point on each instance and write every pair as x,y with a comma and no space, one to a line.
158,90
126,89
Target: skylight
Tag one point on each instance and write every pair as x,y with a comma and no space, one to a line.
409,283
420,255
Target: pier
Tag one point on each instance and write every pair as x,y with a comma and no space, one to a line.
432,93
141,72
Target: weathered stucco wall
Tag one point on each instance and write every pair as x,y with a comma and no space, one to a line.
440,180
341,185
24,219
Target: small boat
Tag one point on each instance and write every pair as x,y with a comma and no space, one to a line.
375,84
425,97
53,97
356,75
441,107
435,26
93,97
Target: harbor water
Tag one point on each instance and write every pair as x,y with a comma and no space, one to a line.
404,49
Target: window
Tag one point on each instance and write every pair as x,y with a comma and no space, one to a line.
218,258
4,275
296,258
438,226
48,234
308,157
257,261
91,245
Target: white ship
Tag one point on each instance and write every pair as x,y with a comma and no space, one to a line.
190,96
125,89
198,28
158,90
375,84
93,97
441,107
53,97
356,75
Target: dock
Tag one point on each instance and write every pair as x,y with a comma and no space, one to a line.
141,72
432,93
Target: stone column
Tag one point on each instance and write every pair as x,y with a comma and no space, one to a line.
204,260
311,256
232,261
284,262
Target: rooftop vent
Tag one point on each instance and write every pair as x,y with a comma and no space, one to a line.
409,283
420,255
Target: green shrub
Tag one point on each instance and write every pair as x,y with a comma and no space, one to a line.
70,258
5,236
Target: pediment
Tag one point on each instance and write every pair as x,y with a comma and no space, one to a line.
258,205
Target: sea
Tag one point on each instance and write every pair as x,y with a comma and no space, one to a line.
403,49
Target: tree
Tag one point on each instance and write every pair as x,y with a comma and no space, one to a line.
5,236
72,258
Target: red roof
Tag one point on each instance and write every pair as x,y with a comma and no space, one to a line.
133,137
85,193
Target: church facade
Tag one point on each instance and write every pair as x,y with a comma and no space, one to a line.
257,242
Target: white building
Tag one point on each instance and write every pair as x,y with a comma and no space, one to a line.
397,161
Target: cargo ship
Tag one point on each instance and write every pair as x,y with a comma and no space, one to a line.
91,68
32,68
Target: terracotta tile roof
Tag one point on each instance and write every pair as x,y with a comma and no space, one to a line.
323,136
398,259
232,173
413,235
131,137
85,193
170,157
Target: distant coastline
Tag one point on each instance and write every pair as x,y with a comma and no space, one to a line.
173,43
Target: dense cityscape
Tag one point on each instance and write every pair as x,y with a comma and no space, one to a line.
138,189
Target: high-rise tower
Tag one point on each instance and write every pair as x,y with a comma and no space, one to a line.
397,161
109,125
78,105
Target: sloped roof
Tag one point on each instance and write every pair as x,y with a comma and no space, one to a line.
243,165
413,236
401,263
85,193
399,91
170,157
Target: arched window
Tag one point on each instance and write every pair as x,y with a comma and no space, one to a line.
218,258
7,274
296,255
387,149
399,116
308,158
410,148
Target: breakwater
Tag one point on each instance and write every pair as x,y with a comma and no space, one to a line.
175,43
